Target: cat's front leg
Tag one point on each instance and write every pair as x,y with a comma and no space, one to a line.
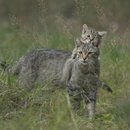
75,97
90,101
91,109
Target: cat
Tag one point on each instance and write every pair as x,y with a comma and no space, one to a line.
83,82
39,66
43,66
93,37
51,65
89,36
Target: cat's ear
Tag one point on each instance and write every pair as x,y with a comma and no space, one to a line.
85,27
102,33
77,42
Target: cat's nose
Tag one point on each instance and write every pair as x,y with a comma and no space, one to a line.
84,58
88,36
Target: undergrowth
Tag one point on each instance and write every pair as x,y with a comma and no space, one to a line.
41,109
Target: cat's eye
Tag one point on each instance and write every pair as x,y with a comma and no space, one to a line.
90,53
80,52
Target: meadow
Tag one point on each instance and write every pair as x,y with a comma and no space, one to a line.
47,110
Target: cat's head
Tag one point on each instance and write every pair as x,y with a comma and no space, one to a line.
90,35
86,52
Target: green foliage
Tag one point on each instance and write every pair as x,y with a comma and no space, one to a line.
43,109
104,12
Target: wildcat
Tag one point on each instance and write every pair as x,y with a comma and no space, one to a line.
89,36
48,65
93,37
83,82
43,66
39,66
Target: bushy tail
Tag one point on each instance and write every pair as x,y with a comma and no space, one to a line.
106,87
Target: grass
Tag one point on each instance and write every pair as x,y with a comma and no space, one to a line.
51,110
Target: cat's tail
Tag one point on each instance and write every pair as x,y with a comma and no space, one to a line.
106,87
3,65
13,70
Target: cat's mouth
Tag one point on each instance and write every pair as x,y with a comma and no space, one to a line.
84,62
86,40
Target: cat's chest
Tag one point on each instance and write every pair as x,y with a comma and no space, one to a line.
78,76
82,76
85,82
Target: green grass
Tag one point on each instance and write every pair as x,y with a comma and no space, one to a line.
48,110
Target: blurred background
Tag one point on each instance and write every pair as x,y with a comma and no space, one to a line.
112,15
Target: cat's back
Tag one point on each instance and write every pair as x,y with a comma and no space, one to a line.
36,57
45,63
46,53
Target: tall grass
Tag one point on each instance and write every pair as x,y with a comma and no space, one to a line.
40,109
